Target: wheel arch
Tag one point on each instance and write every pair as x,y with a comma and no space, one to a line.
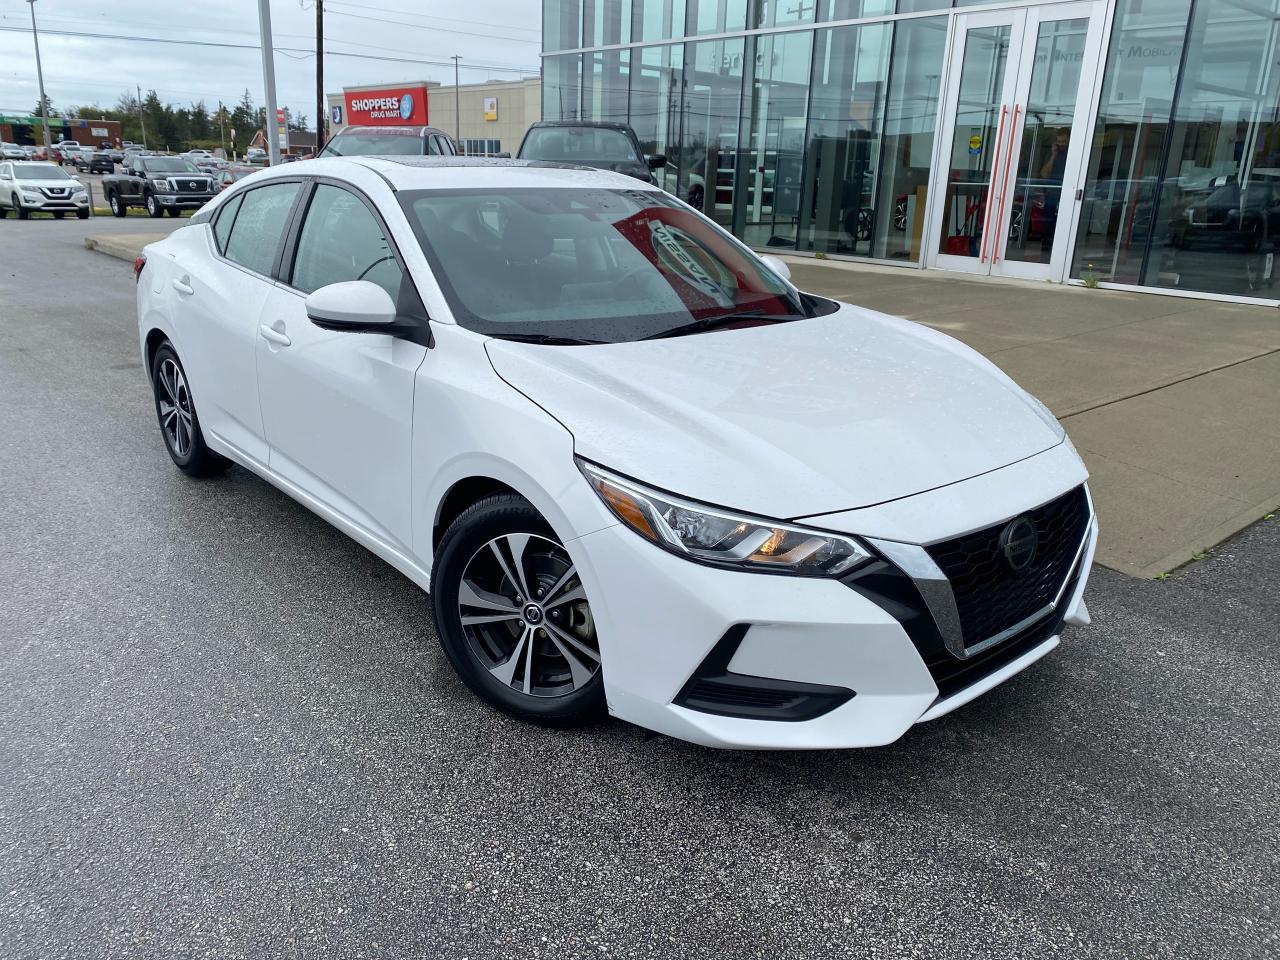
151,343
463,494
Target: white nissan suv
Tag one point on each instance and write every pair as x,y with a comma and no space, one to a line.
634,466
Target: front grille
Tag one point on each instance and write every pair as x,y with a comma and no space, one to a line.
56,193
989,597
192,186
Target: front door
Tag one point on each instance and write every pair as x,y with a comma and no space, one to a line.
1014,135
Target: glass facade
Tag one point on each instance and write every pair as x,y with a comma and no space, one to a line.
799,130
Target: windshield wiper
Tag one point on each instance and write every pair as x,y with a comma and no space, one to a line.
545,338
722,320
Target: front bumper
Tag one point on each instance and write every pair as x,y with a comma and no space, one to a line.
72,204
184,201
668,622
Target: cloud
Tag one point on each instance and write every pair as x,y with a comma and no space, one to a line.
83,70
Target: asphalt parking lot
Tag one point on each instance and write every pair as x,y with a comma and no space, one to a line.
227,731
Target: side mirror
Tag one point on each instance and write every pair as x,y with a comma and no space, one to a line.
777,266
656,161
355,305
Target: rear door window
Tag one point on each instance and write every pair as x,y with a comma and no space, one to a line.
259,225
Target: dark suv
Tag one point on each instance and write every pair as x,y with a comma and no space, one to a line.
389,142
606,146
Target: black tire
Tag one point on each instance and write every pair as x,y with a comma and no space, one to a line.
23,212
695,197
488,520
193,457
118,207
4,212
154,209
59,214
82,214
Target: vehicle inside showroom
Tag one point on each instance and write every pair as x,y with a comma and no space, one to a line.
1132,143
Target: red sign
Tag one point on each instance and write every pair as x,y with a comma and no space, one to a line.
388,106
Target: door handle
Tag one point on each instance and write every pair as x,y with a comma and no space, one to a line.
182,286
1004,188
995,168
278,337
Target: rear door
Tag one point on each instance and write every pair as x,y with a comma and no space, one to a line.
338,406
219,298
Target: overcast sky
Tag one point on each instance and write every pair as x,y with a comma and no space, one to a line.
85,70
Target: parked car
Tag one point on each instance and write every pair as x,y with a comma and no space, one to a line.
583,416
255,155
389,142
11,151
69,153
232,174
94,161
606,146
28,187
159,184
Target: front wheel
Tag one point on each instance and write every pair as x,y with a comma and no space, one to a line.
118,209
82,214
154,210
179,423
59,214
23,212
513,616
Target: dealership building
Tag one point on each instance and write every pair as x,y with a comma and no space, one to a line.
488,118
30,130
1127,143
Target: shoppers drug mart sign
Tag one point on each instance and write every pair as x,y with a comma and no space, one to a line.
389,106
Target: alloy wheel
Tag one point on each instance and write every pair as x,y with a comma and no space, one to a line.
526,618
175,408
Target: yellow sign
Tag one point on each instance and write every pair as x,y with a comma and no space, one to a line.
491,108
975,142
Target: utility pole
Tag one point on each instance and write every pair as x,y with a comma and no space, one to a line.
322,109
142,120
269,82
222,129
44,103
457,101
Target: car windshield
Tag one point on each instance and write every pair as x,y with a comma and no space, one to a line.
40,171
169,165
374,145
587,264
579,145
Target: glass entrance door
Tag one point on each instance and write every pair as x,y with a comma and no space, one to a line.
1013,138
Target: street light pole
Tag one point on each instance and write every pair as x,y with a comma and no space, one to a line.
268,81
44,102
321,108
457,104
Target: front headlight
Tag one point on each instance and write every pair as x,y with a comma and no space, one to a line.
709,535
160,184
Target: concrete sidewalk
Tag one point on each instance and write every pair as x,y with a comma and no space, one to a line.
1173,403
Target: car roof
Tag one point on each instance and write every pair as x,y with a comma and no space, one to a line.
448,173
398,128
603,124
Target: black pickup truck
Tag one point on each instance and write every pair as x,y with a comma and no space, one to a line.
159,184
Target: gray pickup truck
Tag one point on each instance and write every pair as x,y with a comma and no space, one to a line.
158,184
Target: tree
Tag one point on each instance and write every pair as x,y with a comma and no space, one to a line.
48,105
297,121
199,127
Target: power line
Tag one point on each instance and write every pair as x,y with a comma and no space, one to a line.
253,46
426,26
431,16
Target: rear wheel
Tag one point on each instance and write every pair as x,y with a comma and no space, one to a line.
179,423
59,214
513,616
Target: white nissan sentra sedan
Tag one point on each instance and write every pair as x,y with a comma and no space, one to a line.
635,467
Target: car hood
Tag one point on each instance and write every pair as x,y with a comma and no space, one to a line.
786,420
73,184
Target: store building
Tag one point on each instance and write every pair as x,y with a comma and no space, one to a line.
1125,142
494,115
30,130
